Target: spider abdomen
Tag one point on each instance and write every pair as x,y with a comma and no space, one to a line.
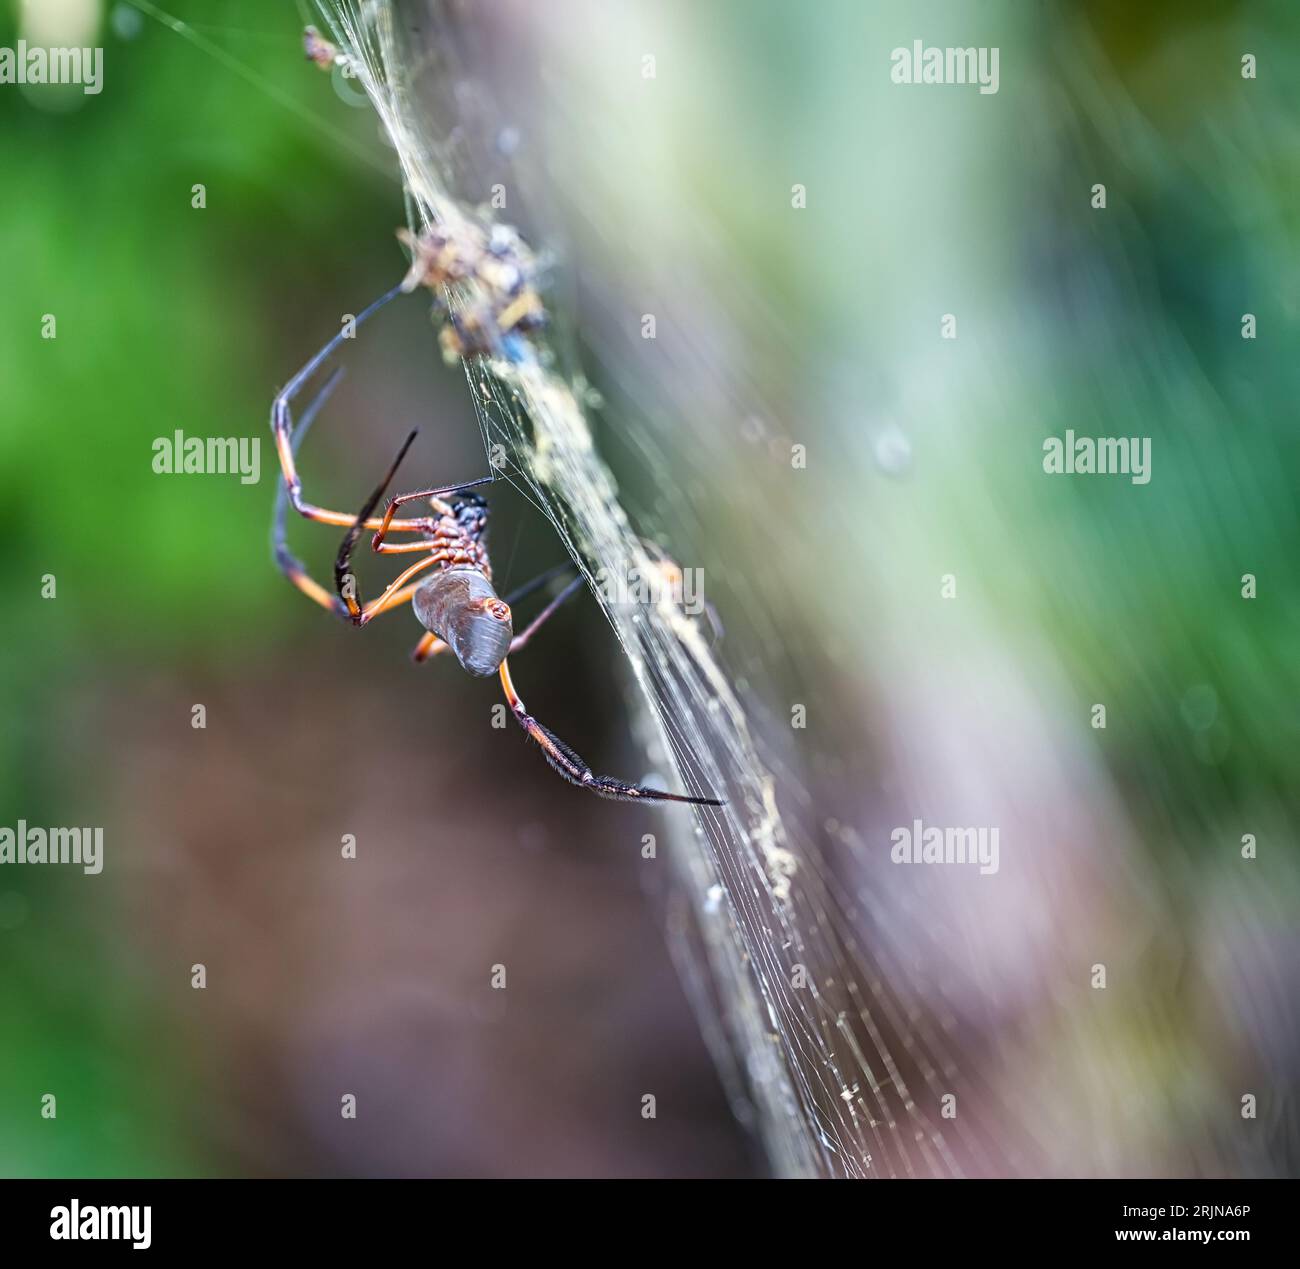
461,607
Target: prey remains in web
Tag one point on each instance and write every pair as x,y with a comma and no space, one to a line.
449,586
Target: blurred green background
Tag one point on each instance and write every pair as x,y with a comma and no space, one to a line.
172,317
925,459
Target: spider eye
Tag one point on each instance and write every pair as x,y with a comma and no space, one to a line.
460,607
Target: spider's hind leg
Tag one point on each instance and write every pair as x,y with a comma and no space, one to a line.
575,770
521,640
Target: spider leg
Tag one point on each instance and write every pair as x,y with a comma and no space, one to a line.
575,770
387,524
429,646
343,561
289,564
394,594
283,431
521,640
539,581
438,550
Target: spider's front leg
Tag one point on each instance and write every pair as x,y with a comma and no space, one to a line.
287,438
294,569
287,562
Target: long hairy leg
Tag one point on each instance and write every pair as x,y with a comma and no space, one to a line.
354,610
288,563
575,770
521,640
283,431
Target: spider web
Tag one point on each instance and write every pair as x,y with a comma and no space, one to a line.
817,1035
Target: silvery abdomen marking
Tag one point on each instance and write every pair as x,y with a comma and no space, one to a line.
460,606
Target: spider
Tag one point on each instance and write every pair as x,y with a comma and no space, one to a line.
456,602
